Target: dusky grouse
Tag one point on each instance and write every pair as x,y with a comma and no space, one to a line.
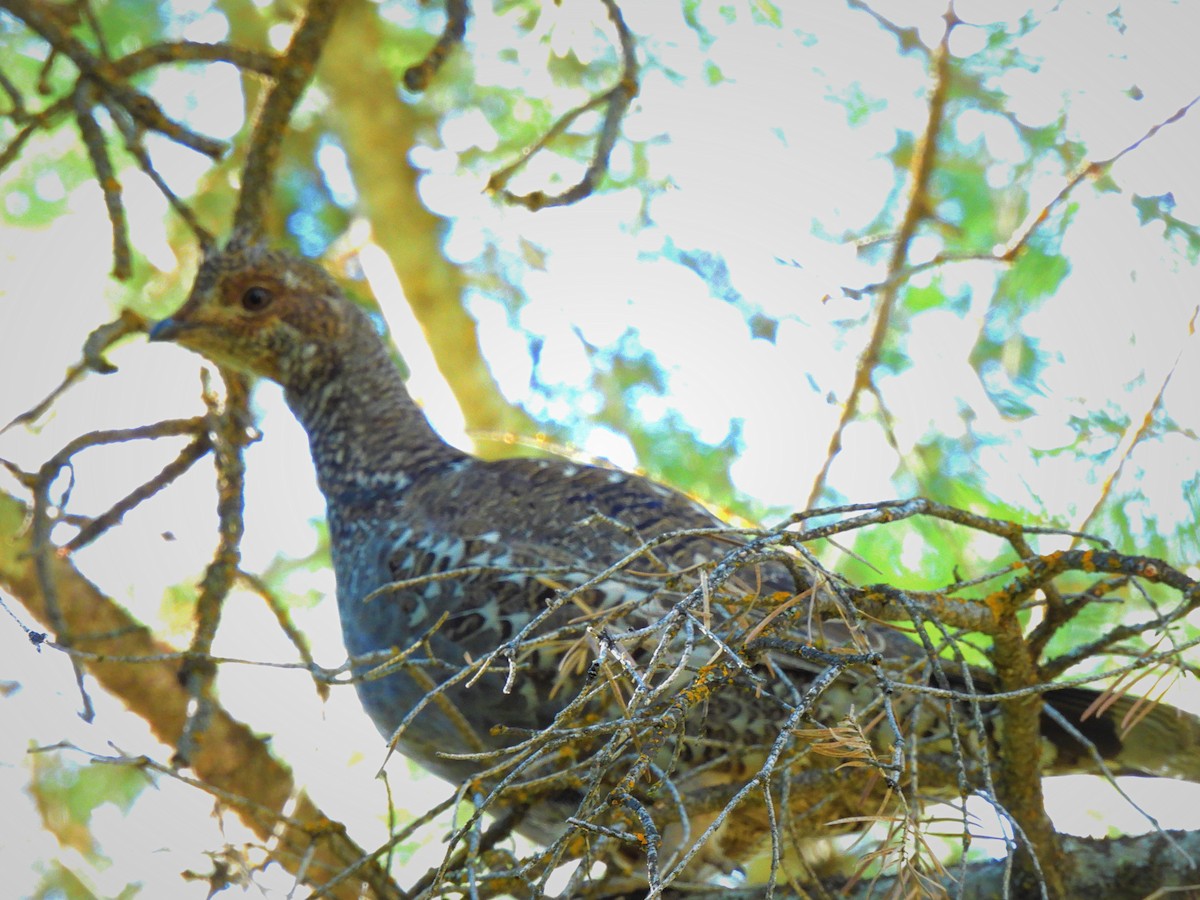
640,661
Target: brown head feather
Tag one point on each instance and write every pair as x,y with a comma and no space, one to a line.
266,313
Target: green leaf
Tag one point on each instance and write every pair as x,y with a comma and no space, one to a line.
1160,208
1153,207
67,794
857,103
1035,274
919,299
766,12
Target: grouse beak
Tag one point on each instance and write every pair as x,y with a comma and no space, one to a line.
167,329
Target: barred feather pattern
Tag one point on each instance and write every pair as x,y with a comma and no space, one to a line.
583,643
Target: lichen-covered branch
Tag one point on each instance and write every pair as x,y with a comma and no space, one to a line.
228,427
293,73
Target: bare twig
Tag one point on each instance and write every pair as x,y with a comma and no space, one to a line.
189,456
615,101
1021,236
227,426
917,209
103,337
93,139
294,71
42,19
417,78
1133,437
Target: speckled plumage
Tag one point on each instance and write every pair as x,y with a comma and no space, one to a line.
490,544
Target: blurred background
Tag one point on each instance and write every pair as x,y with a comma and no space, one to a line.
702,316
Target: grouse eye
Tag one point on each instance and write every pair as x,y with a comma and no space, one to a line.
256,299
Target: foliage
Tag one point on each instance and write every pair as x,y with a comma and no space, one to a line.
1010,331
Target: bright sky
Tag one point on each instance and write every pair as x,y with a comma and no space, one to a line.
755,162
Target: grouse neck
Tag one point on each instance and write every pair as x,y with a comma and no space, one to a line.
365,432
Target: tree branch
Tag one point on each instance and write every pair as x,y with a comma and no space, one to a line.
231,759
295,70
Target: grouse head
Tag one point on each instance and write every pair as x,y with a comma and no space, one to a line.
266,313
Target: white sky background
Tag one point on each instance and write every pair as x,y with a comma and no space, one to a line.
756,162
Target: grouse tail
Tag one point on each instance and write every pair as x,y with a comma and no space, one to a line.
1133,735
